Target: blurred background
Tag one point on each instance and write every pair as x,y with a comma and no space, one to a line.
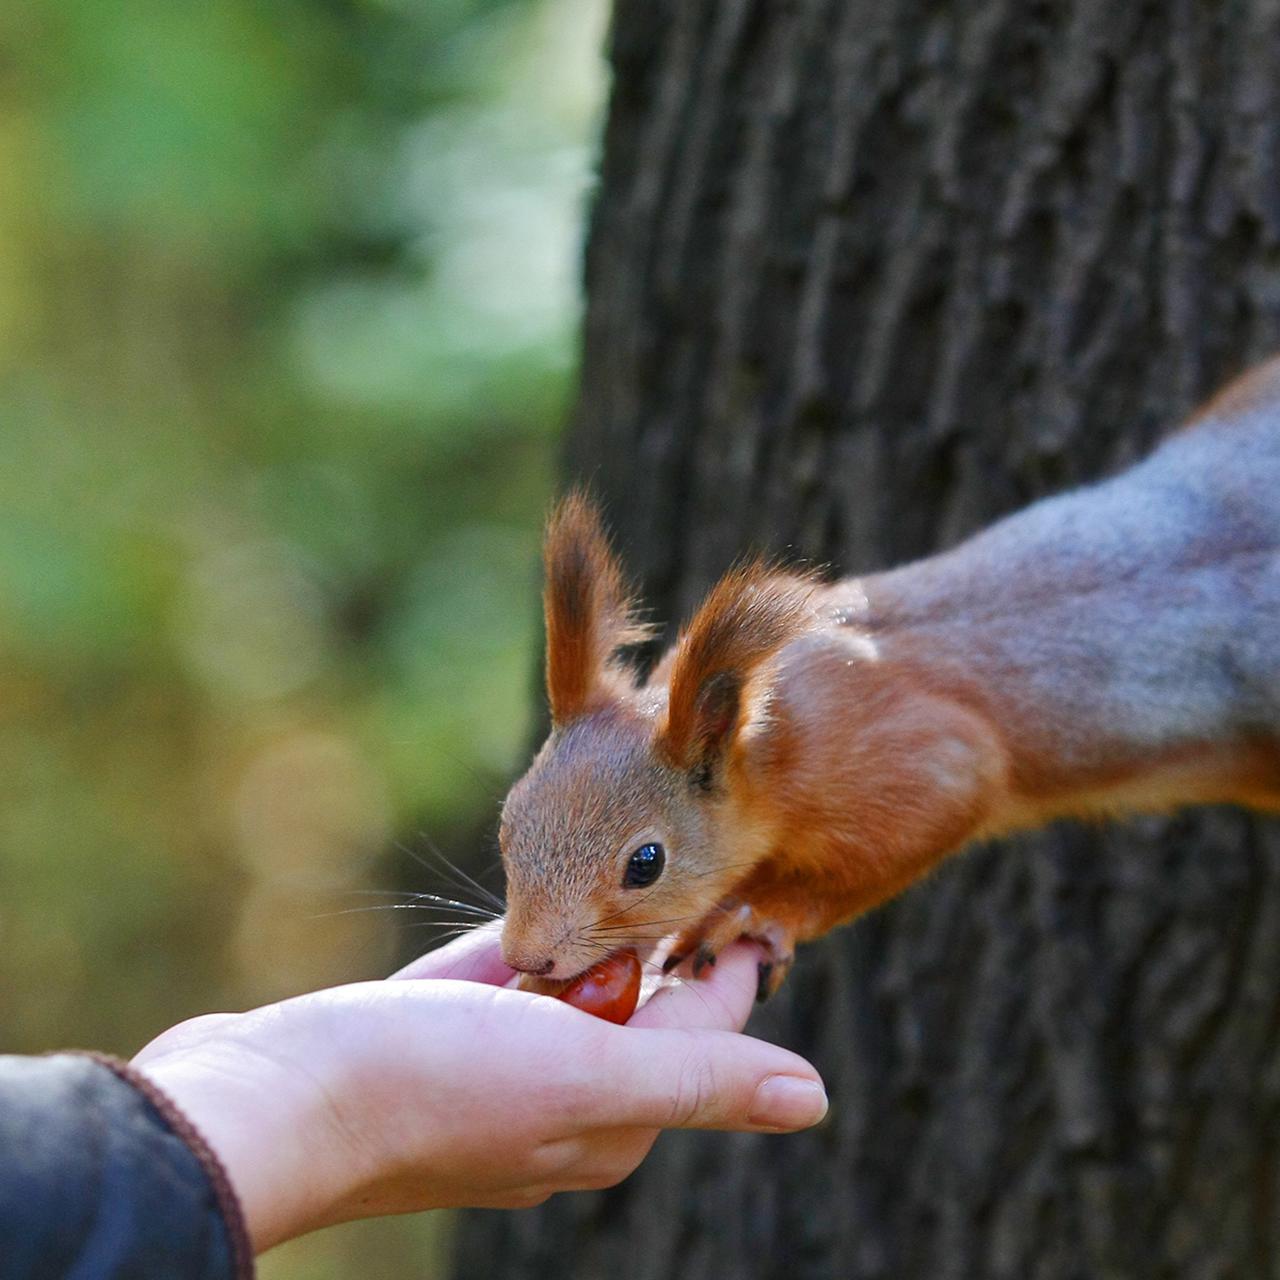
288,296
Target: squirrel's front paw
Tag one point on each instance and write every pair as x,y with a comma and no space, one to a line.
732,920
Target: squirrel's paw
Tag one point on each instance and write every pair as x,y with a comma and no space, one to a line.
730,921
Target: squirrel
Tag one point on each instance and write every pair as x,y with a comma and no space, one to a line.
806,750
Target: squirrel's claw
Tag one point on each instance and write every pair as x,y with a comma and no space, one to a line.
764,977
732,920
770,975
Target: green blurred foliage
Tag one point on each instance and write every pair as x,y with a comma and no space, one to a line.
287,308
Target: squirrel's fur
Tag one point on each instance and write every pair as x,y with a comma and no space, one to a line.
590,612
806,750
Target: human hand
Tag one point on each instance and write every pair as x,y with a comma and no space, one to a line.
443,1088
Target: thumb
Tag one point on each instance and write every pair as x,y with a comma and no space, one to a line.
474,957
682,1079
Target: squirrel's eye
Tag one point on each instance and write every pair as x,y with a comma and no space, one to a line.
644,866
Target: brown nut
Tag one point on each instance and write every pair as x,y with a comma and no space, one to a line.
610,989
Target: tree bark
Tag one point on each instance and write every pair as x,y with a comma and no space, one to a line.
864,275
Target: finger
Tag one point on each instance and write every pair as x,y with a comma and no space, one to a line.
683,1079
721,1000
475,957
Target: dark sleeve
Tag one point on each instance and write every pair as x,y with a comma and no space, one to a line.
101,1176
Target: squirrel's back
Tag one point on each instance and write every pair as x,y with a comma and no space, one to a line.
1144,608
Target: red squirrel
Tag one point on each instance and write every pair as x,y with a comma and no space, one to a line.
807,750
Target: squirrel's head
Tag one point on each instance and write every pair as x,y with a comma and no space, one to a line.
627,825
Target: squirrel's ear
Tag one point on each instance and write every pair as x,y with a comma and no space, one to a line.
590,613
749,614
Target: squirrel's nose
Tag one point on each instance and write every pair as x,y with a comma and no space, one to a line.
538,968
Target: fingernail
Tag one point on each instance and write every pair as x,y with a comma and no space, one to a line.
787,1102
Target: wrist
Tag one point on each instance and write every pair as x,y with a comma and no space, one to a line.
262,1129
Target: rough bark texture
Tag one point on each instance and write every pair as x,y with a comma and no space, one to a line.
864,275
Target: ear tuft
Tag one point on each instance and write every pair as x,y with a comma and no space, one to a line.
590,612
748,615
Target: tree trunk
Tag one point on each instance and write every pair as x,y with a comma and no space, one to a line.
862,277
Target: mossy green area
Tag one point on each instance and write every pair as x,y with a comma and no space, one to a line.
288,324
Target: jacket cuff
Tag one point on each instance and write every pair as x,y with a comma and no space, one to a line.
177,1121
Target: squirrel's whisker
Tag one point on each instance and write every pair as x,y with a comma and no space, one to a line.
432,903
461,879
